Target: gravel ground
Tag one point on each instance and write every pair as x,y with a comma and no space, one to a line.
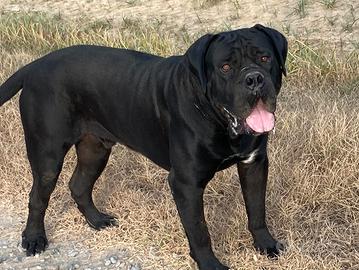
65,256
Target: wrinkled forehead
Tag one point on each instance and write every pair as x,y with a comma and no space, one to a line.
241,43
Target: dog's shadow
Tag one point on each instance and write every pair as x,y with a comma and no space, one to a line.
129,172
224,207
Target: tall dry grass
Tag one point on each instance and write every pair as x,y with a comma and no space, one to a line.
313,192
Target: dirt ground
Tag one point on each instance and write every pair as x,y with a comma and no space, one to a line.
145,186
313,19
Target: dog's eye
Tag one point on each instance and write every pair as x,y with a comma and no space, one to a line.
225,68
265,59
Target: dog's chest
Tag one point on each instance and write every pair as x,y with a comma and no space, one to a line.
244,151
246,158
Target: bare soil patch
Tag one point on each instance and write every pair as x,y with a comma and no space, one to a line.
315,20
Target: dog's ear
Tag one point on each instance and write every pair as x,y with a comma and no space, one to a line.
279,42
196,58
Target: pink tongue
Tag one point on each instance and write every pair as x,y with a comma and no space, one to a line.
260,120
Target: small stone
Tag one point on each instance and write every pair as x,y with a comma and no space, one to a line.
113,259
135,267
38,267
73,253
55,251
120,264
51,267
107,262
27,258
74,266
17,259
122,253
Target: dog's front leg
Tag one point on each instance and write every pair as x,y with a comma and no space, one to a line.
188,195
253,178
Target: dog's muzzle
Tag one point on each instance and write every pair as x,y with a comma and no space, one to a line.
259,121
236,126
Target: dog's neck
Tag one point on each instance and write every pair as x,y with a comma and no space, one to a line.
205,106
208,111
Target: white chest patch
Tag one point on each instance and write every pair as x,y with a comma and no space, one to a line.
251,157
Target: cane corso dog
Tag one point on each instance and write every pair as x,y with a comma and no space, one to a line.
193,115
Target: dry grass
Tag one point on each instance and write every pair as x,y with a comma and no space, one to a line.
37,33
313,189
206,3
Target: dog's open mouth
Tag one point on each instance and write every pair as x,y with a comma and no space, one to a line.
259,121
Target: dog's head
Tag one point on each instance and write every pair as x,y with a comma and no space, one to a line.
240,73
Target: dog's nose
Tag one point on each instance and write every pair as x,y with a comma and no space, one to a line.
254,80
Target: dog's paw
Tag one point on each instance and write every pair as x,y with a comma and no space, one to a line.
272,249
212,264
269,247
34,244
101,221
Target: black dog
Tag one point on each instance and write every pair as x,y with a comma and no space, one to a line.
193,115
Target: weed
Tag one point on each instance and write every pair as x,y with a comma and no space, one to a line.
286,28
331,20
300,9
237,7
206,3
351,19
132,2
329,3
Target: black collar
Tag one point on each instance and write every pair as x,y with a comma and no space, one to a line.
210,111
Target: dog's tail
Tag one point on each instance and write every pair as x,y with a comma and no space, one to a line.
12,85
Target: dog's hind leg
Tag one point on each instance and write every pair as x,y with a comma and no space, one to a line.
48,135
46,155
92,157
